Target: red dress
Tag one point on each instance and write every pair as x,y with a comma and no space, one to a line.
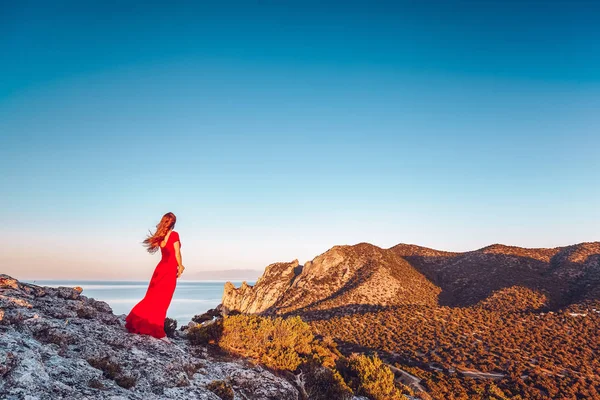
148,316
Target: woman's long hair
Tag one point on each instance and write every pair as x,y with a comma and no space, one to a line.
152,242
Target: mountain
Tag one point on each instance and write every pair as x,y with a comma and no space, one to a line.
342,276
497,322
365,274
565,275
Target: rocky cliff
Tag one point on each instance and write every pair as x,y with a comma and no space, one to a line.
364,274
265,293
59,344
345,275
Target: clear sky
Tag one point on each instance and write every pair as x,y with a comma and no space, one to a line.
276,130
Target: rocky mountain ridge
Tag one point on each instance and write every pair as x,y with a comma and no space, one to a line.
364,274
344,275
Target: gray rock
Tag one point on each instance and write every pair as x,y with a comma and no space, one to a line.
58,344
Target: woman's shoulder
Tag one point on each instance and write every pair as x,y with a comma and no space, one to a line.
175,235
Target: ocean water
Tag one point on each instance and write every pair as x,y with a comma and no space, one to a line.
190,298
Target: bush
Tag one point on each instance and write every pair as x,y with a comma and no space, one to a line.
280,344
170,327
109,368
96,384
514,299
112,370
370,377
191,368
125,381
322,383
205,334
221,389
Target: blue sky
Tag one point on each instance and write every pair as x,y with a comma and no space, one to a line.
277,131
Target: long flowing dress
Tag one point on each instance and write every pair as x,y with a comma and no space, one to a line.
148,316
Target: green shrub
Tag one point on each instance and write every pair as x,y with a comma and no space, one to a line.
170,327
370,377
109,368
322,383
278,343
205,334
112,370
191,368
221,389
125,381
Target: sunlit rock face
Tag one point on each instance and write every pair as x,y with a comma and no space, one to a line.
265,293
345,275
59,344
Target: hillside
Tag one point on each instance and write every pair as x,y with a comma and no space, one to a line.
510,353
364,274
498,322
565,275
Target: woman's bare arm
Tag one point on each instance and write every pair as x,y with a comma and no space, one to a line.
180,266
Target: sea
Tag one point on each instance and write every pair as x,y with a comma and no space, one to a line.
190,297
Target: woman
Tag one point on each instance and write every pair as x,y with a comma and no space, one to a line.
148,316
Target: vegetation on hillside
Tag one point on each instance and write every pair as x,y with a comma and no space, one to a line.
471,353
494,323
288,345
370,377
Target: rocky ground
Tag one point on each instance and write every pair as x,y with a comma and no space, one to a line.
57,343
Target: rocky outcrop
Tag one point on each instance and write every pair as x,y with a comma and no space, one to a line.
59,344
265,293
343,276
366,275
